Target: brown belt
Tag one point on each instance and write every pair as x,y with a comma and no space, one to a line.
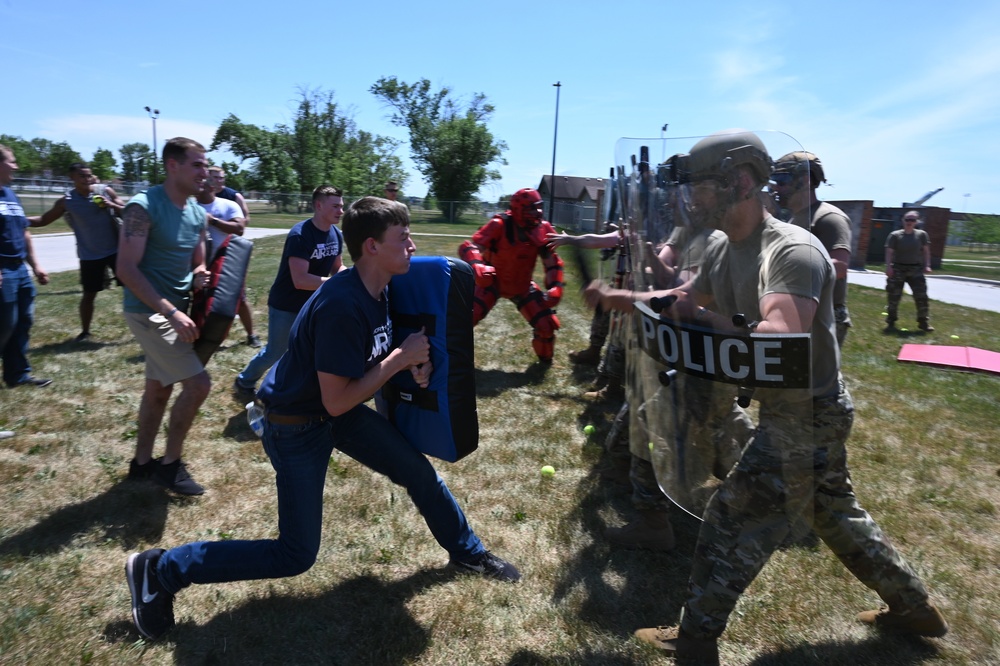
294,419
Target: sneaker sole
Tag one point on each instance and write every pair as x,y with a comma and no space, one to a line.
129,575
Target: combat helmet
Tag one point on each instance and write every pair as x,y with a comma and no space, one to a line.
800,161
715,156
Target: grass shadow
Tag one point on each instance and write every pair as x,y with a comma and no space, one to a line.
363,620
130,513
590,657
71,346
878,649
491,383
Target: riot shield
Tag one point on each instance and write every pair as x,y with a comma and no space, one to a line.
724,414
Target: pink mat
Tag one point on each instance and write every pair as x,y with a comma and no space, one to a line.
965,358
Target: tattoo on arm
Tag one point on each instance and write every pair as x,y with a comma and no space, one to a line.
136,221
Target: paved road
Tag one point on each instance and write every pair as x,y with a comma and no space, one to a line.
57,252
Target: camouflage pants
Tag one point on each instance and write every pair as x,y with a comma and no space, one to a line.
612,363
789,473
599,325
646,493
913,275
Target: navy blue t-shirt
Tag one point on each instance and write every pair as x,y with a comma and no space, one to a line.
342,331
227,193
12,226
319,248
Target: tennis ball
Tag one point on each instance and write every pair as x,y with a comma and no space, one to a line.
954,337
98,200
548,471
588,430
650,446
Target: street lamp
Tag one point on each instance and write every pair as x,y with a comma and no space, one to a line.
154,114
552,177
664,141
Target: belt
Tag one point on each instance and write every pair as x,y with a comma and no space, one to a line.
295,419
11,264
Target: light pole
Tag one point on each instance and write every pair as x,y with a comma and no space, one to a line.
154,114
664,141
552,177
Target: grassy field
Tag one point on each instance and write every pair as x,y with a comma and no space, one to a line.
924,458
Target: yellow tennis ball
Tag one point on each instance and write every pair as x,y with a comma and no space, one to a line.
548,471
588,430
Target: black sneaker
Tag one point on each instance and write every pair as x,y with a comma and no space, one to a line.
254,341
175,477
137,472
83,337
489,565
152,605
243,392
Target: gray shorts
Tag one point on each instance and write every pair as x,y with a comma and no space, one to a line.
168,360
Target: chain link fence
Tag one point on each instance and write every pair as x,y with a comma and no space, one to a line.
38,195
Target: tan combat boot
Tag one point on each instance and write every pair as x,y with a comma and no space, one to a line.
677,644
612,390
650,531
923,620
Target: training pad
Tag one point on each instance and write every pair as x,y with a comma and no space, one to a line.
963,358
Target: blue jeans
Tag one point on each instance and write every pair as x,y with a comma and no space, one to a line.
300,455
279,327
17,312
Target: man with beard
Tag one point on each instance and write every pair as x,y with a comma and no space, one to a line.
794,466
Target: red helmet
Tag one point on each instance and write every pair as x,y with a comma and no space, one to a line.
526,207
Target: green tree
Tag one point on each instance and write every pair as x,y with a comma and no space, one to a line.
452,146
272,170
28,161
102,164
981,228
137,161
61,156
235,177
321,145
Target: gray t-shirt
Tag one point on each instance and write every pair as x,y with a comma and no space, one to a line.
833,228
908,248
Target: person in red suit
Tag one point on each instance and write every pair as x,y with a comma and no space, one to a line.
503,255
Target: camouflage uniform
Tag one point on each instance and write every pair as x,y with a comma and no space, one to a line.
907,268
789,473
794,467
913,275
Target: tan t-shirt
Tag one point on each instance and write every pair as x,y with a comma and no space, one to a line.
777,258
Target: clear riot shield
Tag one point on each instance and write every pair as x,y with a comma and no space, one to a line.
720,410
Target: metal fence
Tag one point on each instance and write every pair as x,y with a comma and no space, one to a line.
37,196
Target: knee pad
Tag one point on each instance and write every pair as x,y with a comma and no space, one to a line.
544,341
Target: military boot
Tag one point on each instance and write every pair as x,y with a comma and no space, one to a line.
683,648
925,325
612,391
589,356
922,620
650,531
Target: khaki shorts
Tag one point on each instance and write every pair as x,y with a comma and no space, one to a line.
168,360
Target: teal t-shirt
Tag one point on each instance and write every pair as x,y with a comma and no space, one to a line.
173,235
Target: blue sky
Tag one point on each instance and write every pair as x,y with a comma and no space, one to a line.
897,100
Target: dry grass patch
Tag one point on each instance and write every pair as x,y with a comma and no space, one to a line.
923,456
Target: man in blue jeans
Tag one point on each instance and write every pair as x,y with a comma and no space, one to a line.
312,253
340,352
17,290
